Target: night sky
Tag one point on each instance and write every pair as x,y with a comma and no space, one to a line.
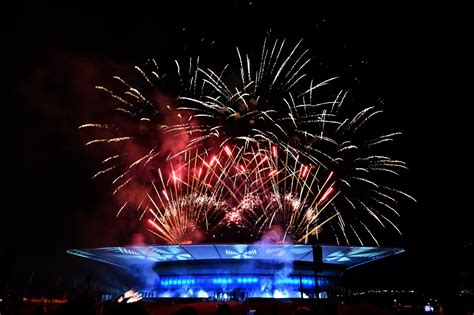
409,61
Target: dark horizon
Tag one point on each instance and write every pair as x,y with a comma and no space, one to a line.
406,60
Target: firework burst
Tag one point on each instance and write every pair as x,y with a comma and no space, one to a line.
249,187
217,136
134,139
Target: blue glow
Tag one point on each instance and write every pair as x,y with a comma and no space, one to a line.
428,308
220,279
216,286
240,281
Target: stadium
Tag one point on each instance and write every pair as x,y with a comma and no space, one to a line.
239,271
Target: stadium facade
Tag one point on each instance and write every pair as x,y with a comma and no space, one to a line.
239,271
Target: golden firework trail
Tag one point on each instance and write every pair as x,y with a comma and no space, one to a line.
207,153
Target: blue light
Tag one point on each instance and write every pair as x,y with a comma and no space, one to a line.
428,308
229,282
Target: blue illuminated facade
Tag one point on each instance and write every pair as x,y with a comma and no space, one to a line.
244,281
176,282
237,271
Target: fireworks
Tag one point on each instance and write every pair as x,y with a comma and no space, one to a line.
253,150
241,186
134,139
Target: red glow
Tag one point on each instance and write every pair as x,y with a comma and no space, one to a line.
165,194
327,193
214,159
304,170
330,175
175,178
154,224
275,151
273,172
199,172
228,150
242,168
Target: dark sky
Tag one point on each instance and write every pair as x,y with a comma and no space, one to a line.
410,61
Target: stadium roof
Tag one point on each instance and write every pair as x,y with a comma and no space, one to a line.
346,256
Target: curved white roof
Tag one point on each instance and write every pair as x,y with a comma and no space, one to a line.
348,256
